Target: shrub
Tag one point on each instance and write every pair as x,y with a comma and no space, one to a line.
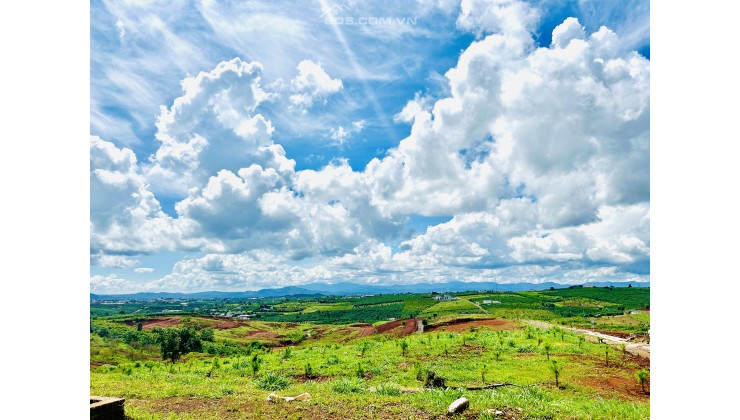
360,372
547,348
207,335
432,380
390,389
256,363
642,376
333,360
272,382
556,370
363,348
309,371
287,353
348,386
526,348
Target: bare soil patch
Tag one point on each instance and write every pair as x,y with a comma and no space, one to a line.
607,384
237,408
398,327
161,322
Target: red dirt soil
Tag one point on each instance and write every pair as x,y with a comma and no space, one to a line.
463,324
398,327
365,330
161,322
220,324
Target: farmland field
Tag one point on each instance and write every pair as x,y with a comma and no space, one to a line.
362,357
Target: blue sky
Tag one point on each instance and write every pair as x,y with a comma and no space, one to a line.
244,145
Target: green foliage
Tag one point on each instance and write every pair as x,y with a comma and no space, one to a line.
339,353
308,371
413,307
404,347
628,298
255,364
547,348
287,353
390,389
174,342
642,376
366,313
348,386
207,335
273,382
433,380
556,370
364,346
360,371
497,352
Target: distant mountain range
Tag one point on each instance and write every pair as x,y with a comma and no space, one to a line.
344,289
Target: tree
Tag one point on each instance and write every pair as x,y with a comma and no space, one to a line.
642,377
606,354
404,346
256,363
169,344
174,342
547,347
363,348
139,326
207,335
556,370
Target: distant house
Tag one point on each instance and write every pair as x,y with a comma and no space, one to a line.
391,319
444,298
491,302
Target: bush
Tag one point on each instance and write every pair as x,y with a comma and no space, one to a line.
390,389
287,353
348,386
309,371
433,381
360,372
207,335
526,348
272,382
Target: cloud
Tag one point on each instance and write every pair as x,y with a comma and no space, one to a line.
566,126
538,155
341,134
312,84
144,270
507,16
121,30
110,284
214,126
113,261
125,217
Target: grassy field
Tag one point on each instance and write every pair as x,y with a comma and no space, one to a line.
354,371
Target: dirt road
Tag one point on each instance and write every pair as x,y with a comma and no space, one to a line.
640,349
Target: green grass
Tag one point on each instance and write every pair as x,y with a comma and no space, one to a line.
460,306
371,377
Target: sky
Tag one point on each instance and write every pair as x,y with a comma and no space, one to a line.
256,144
